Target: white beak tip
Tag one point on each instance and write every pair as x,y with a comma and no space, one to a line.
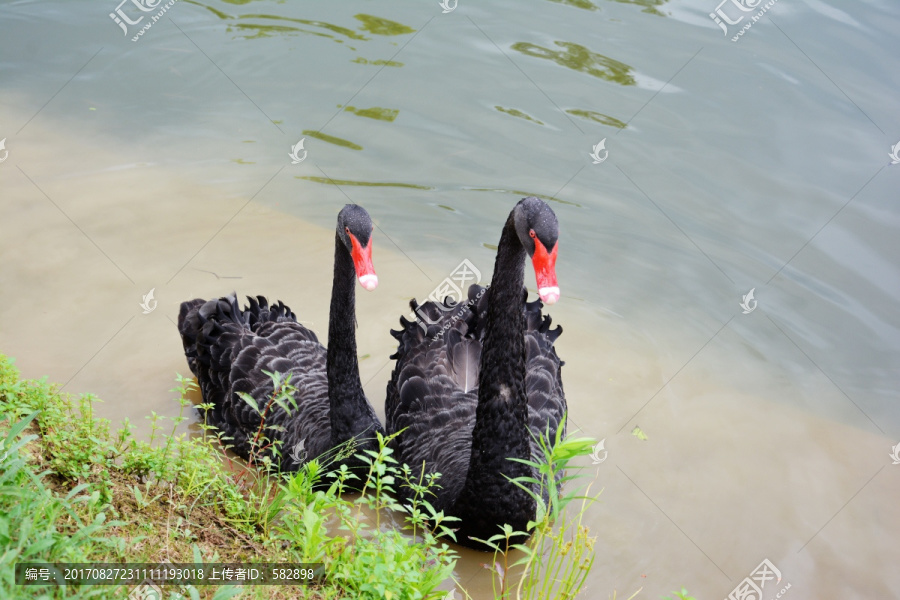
370,282
549,295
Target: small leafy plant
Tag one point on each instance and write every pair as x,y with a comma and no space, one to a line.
372,561
263,448
558,556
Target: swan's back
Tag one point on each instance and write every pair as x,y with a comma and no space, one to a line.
229,350
433,391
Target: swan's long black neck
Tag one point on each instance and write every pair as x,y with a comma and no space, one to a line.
500,430
502,376
347,402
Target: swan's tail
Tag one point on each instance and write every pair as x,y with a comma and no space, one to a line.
200,321
189,325
197,324
259,312
434,320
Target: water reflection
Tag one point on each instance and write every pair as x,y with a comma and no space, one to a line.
578,58
597,117
518,113
372,24
585,4
264,31
522,194
331,139
380,63
214,11
348,33
379,26
330,181
376,112
267,30
649,5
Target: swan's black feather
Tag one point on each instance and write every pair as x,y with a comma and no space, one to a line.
231,350
469,432
427,397
234,348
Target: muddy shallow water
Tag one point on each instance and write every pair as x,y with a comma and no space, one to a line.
760,164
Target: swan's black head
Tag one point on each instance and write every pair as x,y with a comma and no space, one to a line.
538,230
354,228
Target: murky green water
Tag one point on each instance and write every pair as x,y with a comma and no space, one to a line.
759,164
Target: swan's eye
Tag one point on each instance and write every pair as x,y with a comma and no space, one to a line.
347,230
531,233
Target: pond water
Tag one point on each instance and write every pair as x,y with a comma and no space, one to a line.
719,168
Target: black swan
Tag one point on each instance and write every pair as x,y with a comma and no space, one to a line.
474,380
228,349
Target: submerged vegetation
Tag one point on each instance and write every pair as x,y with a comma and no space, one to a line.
74,490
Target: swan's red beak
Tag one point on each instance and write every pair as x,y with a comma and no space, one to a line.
545,271
362,262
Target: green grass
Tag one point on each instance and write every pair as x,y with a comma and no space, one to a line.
74,489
